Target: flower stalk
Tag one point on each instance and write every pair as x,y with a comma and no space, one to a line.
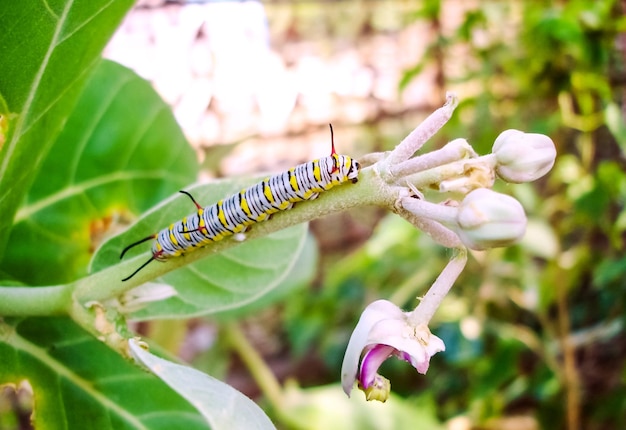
431,301
427,129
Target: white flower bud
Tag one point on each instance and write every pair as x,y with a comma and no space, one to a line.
487,219
523,157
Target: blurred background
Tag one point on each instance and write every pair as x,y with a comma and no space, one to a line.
534,333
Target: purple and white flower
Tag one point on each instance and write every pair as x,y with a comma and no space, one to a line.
384,331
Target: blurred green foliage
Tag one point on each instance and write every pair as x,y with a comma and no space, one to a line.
534,331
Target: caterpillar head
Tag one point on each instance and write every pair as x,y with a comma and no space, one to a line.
344,169
353,174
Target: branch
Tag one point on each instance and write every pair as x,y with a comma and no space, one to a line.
35,301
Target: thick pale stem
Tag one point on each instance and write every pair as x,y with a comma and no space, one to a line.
440,288
424,209
439,233
35,301
107,284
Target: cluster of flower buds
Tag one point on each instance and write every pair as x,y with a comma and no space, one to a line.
474,216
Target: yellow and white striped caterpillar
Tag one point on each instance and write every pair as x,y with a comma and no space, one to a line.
250,206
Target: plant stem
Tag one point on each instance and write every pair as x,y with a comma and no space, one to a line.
370,190
433,177
571,378
408,290
440,288
261,374
458,149
107,284
259,370
416,139
35,301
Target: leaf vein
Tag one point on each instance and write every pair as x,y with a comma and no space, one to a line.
28,210
49,9
85,22
103,107
62,371
20,125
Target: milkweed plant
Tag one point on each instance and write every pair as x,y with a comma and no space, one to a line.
52,331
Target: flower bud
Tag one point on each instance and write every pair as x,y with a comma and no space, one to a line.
523,157
487,219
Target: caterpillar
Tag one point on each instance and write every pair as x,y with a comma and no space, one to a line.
234,214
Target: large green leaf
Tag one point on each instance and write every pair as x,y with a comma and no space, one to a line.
221,405
120,149
79,383
224,281
47,50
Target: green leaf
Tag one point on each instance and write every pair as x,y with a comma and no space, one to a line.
121,149
301,274
220,282
78,382
221,405
48,49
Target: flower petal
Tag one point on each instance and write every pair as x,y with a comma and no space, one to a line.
371,362
375,312
416,342
378,390
382,331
